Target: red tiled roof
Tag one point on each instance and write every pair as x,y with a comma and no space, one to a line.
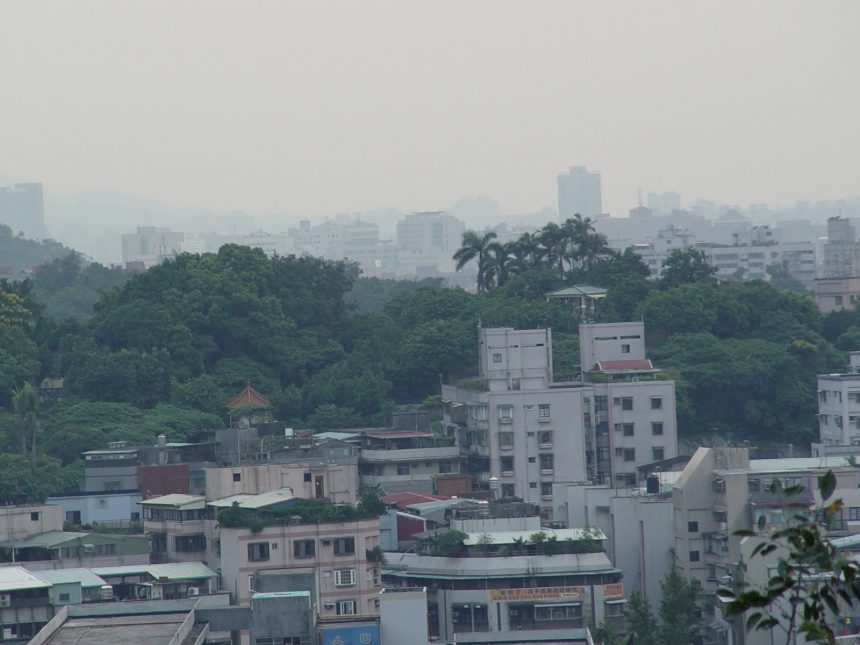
398,435
403,500
249,397
612,366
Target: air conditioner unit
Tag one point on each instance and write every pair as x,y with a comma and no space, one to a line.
329,605
635,379
193,591
5,600
88,548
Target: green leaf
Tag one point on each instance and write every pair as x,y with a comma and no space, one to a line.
826,485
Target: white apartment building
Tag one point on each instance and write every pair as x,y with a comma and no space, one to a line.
579,193
839,407
151,245
525,432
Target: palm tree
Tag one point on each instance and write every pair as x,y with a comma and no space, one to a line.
475,247
25,402
499,264
554,241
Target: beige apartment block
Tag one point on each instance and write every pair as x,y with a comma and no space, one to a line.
334,555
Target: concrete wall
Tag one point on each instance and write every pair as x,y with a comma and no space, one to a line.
236,570
606,342
506,354
340,481
403,616
101,507
20,522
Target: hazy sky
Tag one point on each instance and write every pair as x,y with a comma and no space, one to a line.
319,107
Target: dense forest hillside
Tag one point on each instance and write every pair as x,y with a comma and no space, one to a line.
164,350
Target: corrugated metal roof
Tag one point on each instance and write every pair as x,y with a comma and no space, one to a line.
283,594
254,502
171,571
14,578
64,576
47,540
178,500
579,290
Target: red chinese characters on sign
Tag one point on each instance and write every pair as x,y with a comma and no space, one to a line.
536,593
614,590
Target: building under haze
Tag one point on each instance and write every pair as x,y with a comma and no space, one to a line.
150,245
579,192
22,209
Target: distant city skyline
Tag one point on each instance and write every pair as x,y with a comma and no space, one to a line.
317,109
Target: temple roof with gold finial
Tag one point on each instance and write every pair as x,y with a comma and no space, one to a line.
248,397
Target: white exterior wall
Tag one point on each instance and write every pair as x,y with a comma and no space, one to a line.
101,508
403,617
506,354
608,341
642,416
839,409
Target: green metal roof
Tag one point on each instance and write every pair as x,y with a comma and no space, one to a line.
171,571
578,290
65,576
49,540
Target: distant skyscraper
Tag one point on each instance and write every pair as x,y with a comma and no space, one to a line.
579,192
22,210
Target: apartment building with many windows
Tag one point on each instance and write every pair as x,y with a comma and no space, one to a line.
522,431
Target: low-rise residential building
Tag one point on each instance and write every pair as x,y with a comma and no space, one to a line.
66,549
334,559
25,604
407,460
542,585
839,409
114,508
834,294
176,528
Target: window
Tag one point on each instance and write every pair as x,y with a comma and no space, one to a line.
837,300
628,429
402,469
543,411
508,491
619,452
854,514
478,412
546,489
625,348
627,403
692,527
545,437
548,613
304,549
656,403
345,607
754,485
603,453
190,543
532,460
601,403
506,439
444,467
630,454
546,462
515,384
497,358
657,428
344,546
344,577
307,477
237,477
506,413
657,454
258,551
720,516
34,517
532,484
694,556
506,464
629,479
64,597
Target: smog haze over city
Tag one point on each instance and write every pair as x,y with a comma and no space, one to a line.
289,110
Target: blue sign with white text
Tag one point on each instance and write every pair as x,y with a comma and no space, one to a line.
362,635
